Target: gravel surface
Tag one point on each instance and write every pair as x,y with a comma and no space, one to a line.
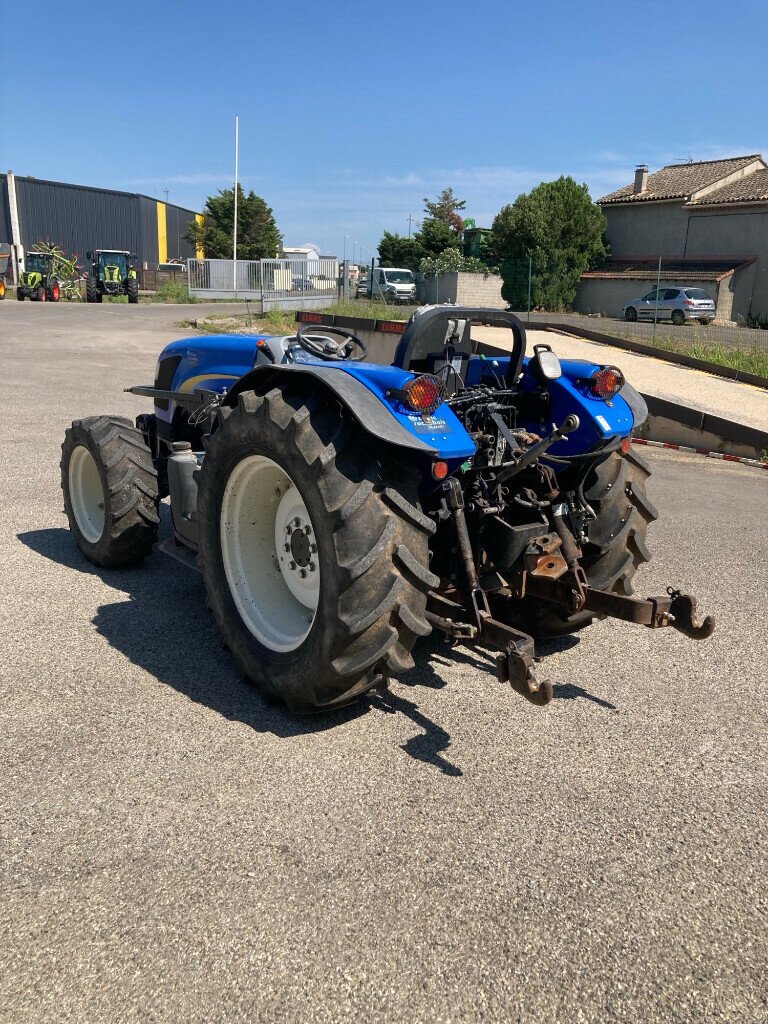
173,849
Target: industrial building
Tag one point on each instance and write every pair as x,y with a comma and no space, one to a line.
80,217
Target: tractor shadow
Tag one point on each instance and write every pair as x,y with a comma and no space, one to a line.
161,625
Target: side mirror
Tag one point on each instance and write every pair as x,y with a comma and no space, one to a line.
89,255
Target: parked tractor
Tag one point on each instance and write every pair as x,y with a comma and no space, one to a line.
38,281
339,510
112,273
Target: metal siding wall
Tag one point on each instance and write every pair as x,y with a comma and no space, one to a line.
5,213
77,218
178,219
148,219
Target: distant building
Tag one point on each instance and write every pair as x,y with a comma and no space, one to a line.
708,221
81,217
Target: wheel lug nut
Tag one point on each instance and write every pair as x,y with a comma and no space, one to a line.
288,529
307,530
311,566
287,547
313,548
291,565
303,574
297,521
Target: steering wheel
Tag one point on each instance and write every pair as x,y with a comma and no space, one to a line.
329,349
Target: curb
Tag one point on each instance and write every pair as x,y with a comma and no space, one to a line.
701,451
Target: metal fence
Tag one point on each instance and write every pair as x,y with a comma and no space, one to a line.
294,284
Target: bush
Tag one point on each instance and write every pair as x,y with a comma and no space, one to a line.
451,260
174,291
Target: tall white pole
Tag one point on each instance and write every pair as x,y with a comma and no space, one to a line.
234,233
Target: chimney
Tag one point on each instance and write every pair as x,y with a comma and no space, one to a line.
641,178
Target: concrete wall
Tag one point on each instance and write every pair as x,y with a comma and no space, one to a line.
482,290
647,229
610,296
736,233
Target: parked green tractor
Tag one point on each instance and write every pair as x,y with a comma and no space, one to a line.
38,281
112,273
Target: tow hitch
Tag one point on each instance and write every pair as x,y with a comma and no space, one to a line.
470,621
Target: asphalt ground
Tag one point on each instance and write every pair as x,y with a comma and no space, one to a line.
174,849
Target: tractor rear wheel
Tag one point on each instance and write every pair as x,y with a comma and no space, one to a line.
110,490
132,289
40,294
615,489
313,548
2,288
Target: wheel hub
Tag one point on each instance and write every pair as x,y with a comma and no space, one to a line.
269,552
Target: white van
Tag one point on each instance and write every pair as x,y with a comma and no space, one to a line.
393,284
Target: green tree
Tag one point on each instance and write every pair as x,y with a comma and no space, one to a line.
398,251
257,234
558,228
435,236
446,210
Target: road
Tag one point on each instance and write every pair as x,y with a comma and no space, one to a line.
173,849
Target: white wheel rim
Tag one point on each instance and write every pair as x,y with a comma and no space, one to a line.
269,551
86,494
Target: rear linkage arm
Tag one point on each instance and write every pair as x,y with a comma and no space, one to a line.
515,662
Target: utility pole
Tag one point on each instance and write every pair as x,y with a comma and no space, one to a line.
410,218
234,231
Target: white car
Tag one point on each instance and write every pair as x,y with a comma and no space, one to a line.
675,304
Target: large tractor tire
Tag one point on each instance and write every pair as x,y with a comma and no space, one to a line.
313,548
615,489
91,290
132,289
2,289
19,293
110,490
53,293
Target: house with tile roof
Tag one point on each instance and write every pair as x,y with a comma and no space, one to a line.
708,221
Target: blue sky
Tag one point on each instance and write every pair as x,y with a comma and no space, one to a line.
351,113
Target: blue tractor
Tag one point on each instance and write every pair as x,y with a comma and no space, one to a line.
339,510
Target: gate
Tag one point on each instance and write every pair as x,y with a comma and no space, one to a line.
292,284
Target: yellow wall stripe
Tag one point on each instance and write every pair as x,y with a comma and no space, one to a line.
200,252
162,234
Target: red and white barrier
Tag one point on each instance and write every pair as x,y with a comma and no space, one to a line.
702,451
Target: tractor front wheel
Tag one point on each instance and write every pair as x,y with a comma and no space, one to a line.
132,289
91,290
314,550
2,288
40,294
110,490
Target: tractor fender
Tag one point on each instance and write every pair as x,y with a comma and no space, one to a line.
372,415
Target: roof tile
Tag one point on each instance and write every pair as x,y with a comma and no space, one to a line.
679,181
